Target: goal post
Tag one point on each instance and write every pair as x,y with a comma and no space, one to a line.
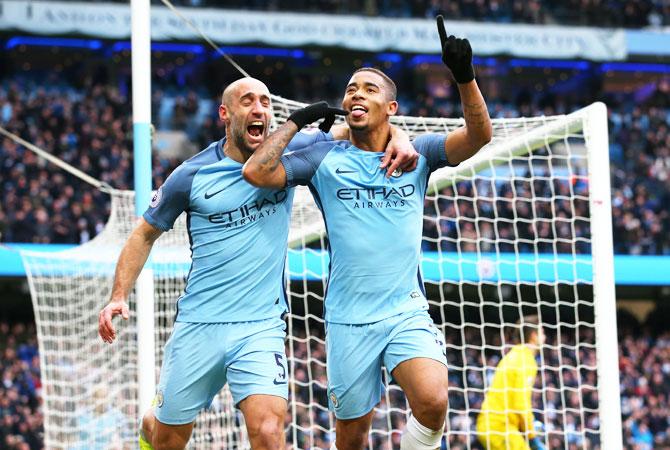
596,135
522,228
140,24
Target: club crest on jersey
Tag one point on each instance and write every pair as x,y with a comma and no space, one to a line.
158,401
156,199
333,398
396,173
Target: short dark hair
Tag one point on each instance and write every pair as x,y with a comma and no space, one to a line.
391,89
528,325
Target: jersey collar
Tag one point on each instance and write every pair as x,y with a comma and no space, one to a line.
219,148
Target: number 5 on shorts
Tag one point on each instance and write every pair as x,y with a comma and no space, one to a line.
281,376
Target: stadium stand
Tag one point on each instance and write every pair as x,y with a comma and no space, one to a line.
599,13
635,14
645,380
20,398
90,127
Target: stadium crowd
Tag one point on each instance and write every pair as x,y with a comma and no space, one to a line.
644,360
598,13
602,13
91,129
21,426
636,13
640,177
569,415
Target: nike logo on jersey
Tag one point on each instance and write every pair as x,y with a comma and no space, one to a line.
279,382
339,171
208,195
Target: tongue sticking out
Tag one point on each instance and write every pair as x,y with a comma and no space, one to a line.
357,113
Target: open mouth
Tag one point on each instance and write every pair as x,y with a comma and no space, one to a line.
256,128
358,111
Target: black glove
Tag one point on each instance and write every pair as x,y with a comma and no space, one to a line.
456,54
314,112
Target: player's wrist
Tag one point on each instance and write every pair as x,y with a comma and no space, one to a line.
464,75
295,122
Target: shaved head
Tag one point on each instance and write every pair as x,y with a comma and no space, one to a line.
243,84
246,112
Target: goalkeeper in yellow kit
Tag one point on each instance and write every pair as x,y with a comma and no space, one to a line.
506,420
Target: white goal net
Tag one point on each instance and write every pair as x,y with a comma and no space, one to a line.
522,228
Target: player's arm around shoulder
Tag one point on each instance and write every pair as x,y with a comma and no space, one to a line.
478,131
131,260
340,132
264,167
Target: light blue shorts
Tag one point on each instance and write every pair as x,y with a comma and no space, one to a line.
356,354
201,357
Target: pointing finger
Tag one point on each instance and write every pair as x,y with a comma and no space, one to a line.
338,111
440,28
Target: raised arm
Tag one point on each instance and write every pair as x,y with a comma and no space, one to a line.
264,168
133,256
464,142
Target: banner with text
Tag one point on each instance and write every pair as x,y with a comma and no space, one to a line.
111,20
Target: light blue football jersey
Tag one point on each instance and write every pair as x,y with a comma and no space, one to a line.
374,225
238,235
